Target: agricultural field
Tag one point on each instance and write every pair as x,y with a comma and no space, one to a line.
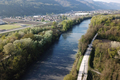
8,20
9,26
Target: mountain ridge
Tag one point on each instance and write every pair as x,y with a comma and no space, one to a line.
34,7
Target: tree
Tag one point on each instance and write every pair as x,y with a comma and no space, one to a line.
97,52
54,24
9,48
48,36
69,77
42,19
29,35
112,52
64,17
64,23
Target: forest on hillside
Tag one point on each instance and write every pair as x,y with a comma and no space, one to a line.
41,7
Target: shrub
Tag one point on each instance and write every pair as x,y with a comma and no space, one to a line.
29,35
9,48
69,77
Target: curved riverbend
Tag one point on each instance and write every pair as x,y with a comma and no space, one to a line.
58,60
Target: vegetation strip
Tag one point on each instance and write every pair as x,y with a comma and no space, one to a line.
105,55
108,28
84,65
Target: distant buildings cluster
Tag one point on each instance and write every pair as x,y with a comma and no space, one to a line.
81,14
2,22
39,18
58,17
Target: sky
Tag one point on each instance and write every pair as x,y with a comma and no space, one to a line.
118,1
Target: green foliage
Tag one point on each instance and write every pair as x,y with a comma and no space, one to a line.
112,52
42,19
3,37
38,37
23,49
52,27
85,40
78,55
25,46
112,24
104,56
102,19
9,49
104,61
69,77
48,36
79,63
108,26
107,23
29,35
67,24
97,52
54,24
64,17
93,76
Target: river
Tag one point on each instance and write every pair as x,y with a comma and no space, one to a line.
59,58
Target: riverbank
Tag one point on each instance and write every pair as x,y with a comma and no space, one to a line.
19,62
82,47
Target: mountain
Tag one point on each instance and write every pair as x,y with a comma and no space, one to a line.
31,7
105,5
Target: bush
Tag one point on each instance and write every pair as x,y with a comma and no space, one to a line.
9,49
69,77
29,35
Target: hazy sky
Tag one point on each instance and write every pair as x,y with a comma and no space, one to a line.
118,1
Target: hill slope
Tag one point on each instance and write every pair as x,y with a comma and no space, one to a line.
30,7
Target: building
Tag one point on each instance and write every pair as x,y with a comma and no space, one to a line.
2,22
82,14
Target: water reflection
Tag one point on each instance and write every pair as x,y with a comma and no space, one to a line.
58,60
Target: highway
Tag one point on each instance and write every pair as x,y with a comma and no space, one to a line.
1,32
83,71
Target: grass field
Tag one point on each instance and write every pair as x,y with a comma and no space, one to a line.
8,26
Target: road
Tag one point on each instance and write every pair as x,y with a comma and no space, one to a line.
83,71
1,32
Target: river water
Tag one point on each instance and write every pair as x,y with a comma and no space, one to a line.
58,60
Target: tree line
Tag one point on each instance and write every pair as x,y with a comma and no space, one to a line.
107,27
105,57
